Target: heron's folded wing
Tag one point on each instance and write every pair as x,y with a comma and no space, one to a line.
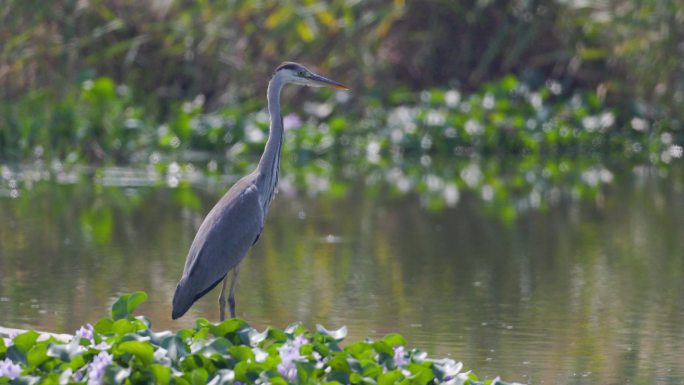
224,238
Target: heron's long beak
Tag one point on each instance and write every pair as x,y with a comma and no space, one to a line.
320,81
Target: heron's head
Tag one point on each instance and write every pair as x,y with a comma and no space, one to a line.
296,73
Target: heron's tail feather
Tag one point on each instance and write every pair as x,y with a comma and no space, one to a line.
182,299
186,294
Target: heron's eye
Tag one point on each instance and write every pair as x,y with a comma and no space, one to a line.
301,73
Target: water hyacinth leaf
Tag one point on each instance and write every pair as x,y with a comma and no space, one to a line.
123,326
222,377
255,338
295,329
65,377
76,362
227,327
126,304
390,377
184,334
199,376
339,362
161,373
276,335
306,349
37,355
420,374
3,348
321,348
157,338
244,373
142,350
304,372
104,326
339,376
394,339
360,349
338,334
242,353
24,341
175,348
202,323
219,346
194,361
369,368
383,347
277,381
355,378
115,374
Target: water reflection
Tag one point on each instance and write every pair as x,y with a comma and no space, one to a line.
582,291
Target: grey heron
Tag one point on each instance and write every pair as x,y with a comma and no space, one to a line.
233,226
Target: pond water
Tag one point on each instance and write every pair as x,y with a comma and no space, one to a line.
581,291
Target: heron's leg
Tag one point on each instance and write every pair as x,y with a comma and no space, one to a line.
222,299
231,296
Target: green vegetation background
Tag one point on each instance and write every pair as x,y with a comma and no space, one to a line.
123,81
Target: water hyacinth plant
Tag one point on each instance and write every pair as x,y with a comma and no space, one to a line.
123,349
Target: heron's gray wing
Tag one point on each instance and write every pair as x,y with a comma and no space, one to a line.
222,241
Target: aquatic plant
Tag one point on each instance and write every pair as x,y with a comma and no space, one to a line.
123,349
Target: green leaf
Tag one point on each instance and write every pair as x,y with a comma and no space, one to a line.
123,326
241,353
3,348
104,326
126,304
355,378
25,341
141,350
339,362
420,374
37,355
276,335
370,368
360,349
304,372
116,375
394,339
383,347
226,327
161,373
389,378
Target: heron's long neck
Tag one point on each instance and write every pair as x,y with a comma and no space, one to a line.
270,160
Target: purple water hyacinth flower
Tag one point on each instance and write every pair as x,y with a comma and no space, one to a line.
288,355
9,369
96,369
299,341
78,375
102,346
85,331
291,121
400,356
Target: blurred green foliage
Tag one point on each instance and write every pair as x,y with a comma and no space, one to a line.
117,81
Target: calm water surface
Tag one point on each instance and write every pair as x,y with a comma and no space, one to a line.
586,291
